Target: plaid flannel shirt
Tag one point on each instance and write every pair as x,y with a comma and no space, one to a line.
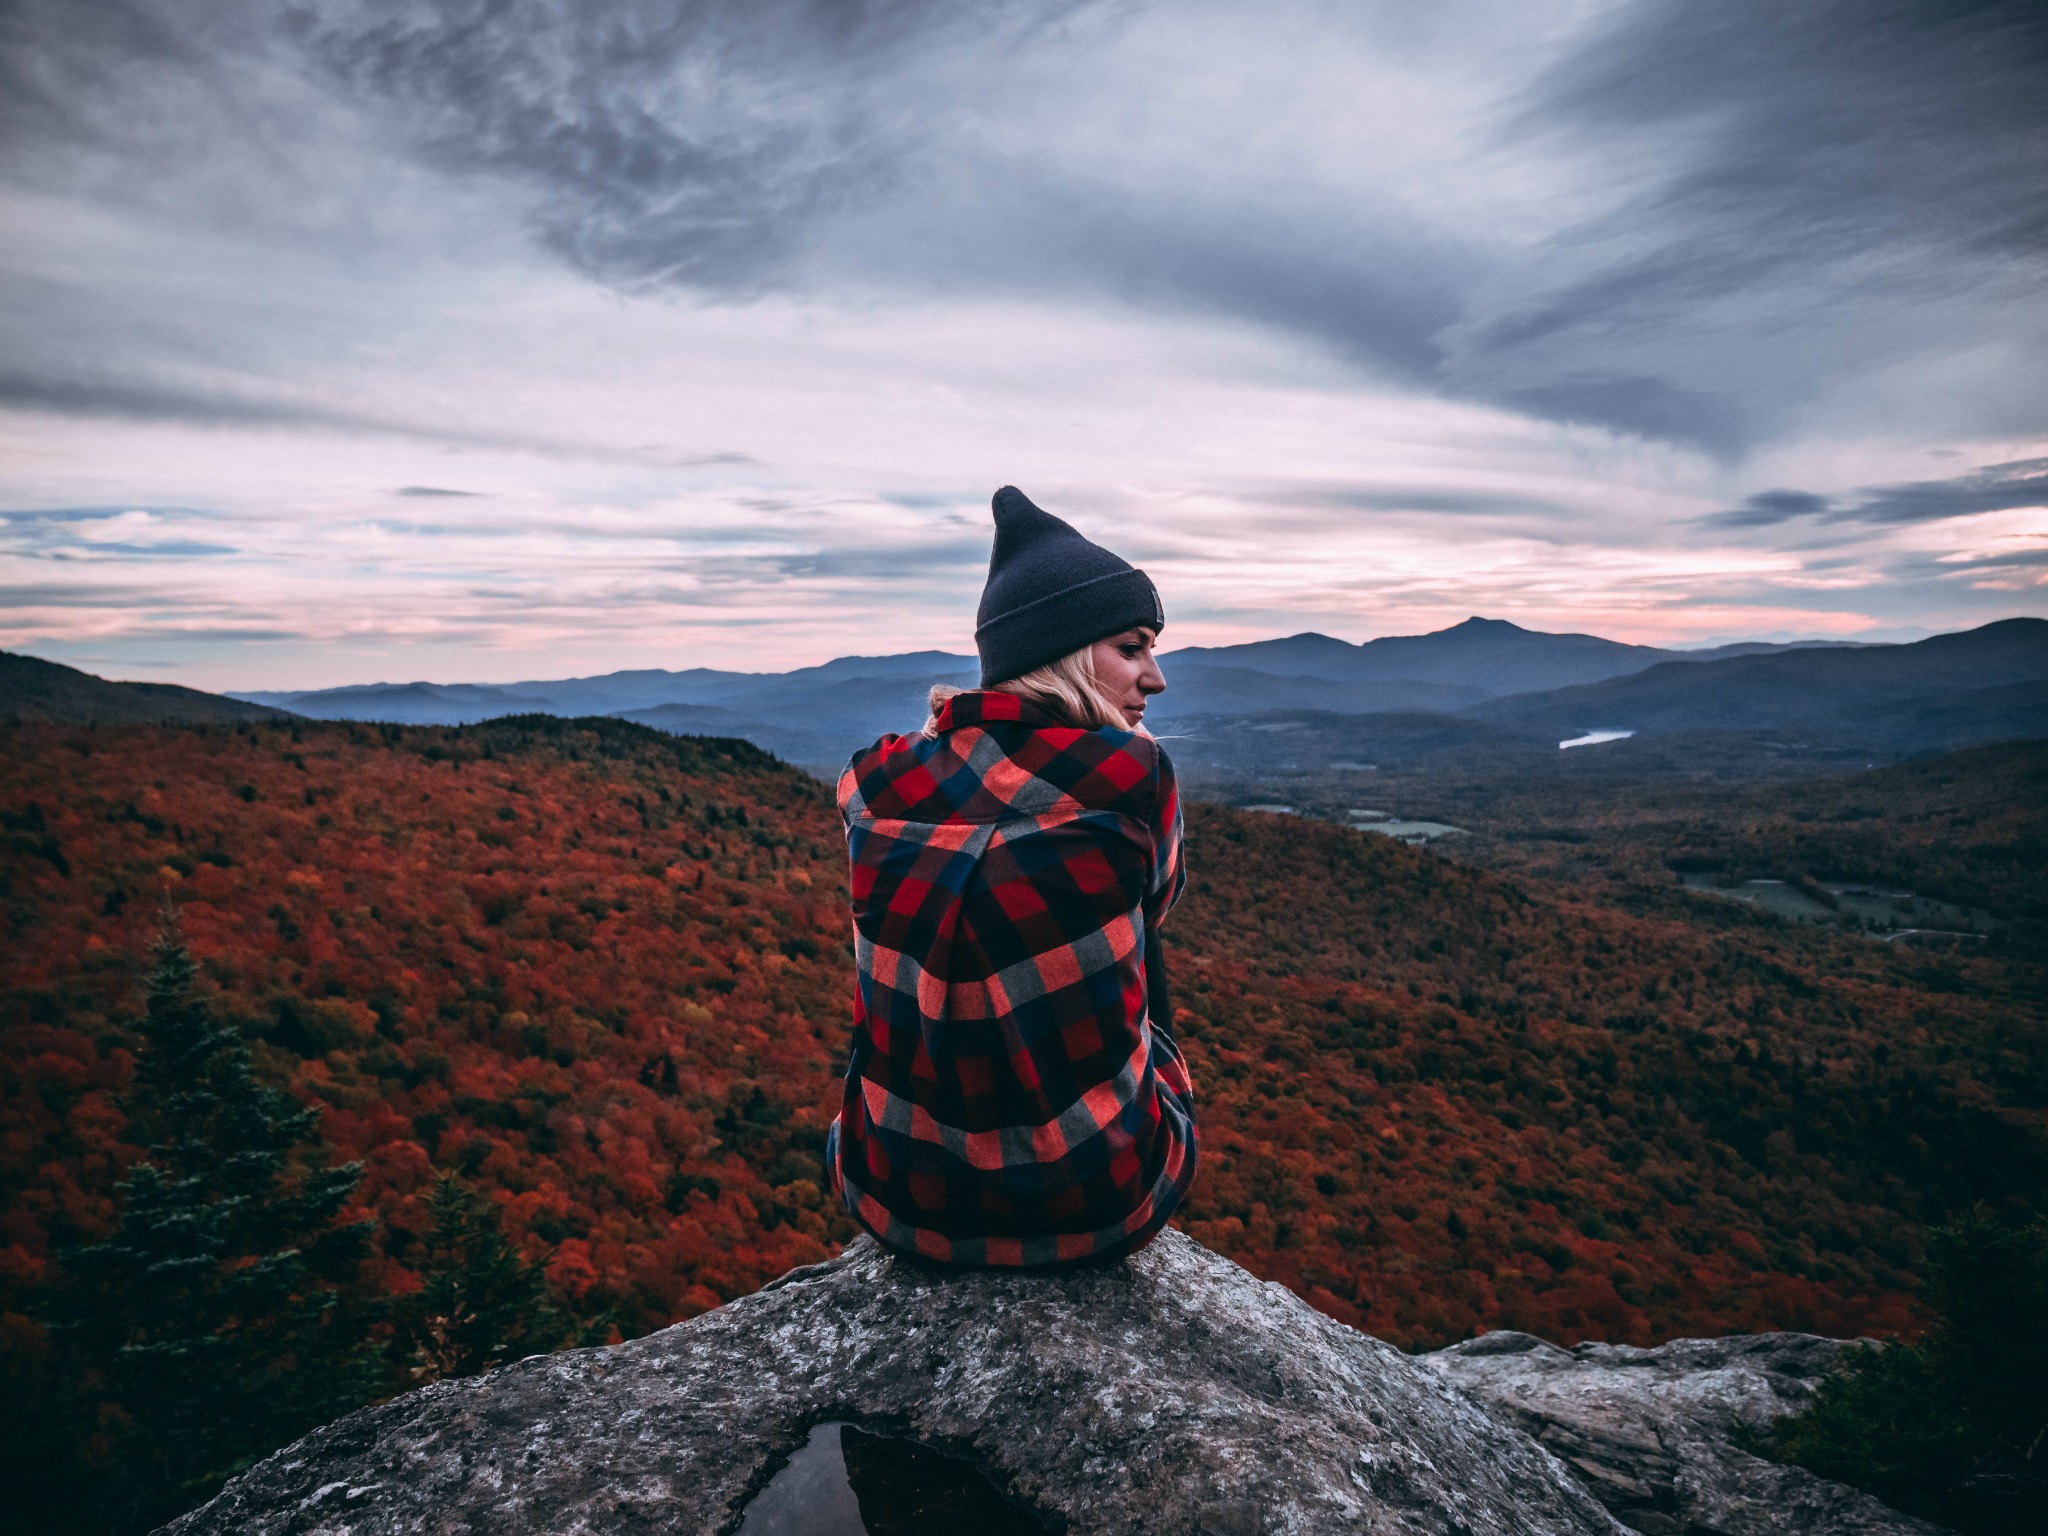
1011,1101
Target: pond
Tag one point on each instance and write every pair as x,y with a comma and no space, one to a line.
846,1481
1388,825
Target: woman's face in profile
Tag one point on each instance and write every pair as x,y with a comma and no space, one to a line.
1127,670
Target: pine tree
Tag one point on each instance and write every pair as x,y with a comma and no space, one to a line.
480,1303
1952,1427
209,1328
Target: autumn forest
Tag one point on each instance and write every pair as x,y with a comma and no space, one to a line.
583,988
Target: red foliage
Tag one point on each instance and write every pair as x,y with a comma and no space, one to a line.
1436,1103
602,973
605,975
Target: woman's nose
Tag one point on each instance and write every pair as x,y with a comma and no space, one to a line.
1151,680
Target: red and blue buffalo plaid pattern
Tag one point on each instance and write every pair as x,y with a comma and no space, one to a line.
1010,1101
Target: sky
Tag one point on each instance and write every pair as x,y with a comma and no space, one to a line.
477,340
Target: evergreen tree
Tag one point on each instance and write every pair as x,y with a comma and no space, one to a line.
480,1303
1952,1427
209,1328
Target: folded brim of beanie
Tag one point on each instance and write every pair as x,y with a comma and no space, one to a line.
1059,623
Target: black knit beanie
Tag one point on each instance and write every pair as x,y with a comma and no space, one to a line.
1050,591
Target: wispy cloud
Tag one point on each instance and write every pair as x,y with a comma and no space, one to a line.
1995,488
1765,509
706,330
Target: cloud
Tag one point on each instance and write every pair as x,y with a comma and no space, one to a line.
55,597
1344,317
1766,509
1817,129
1995,488
141,400
108,533
1698,225
1452,500
1807,193
663,144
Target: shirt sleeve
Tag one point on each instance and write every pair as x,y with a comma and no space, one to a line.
1168,876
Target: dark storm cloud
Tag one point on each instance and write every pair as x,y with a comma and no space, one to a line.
665,142
736,146
711,146
1827,125
658,142
1799,171
1814,164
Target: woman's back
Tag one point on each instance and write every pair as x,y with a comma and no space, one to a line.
1012,1099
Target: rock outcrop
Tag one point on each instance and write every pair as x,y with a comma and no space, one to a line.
1173,1393
1647,1430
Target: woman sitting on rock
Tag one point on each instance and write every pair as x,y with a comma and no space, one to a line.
1015,1098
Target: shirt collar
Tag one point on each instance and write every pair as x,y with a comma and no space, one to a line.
984,706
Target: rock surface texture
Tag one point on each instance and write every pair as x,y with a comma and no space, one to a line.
1647,1429
1172,1393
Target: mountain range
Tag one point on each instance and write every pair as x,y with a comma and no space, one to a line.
1482,695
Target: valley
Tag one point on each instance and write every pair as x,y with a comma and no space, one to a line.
602,972
1673,1034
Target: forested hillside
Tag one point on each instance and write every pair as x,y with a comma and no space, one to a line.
599,971
1442,1100
603,975
34,689
1968,828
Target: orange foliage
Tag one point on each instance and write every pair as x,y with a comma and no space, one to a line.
601,972
1436,1103
604,974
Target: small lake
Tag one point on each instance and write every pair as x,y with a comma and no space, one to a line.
1593,739
1387,825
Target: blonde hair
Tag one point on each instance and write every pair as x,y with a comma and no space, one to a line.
1067,688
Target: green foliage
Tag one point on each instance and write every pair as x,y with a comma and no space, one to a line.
210,1327
1954,1427
479,1304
